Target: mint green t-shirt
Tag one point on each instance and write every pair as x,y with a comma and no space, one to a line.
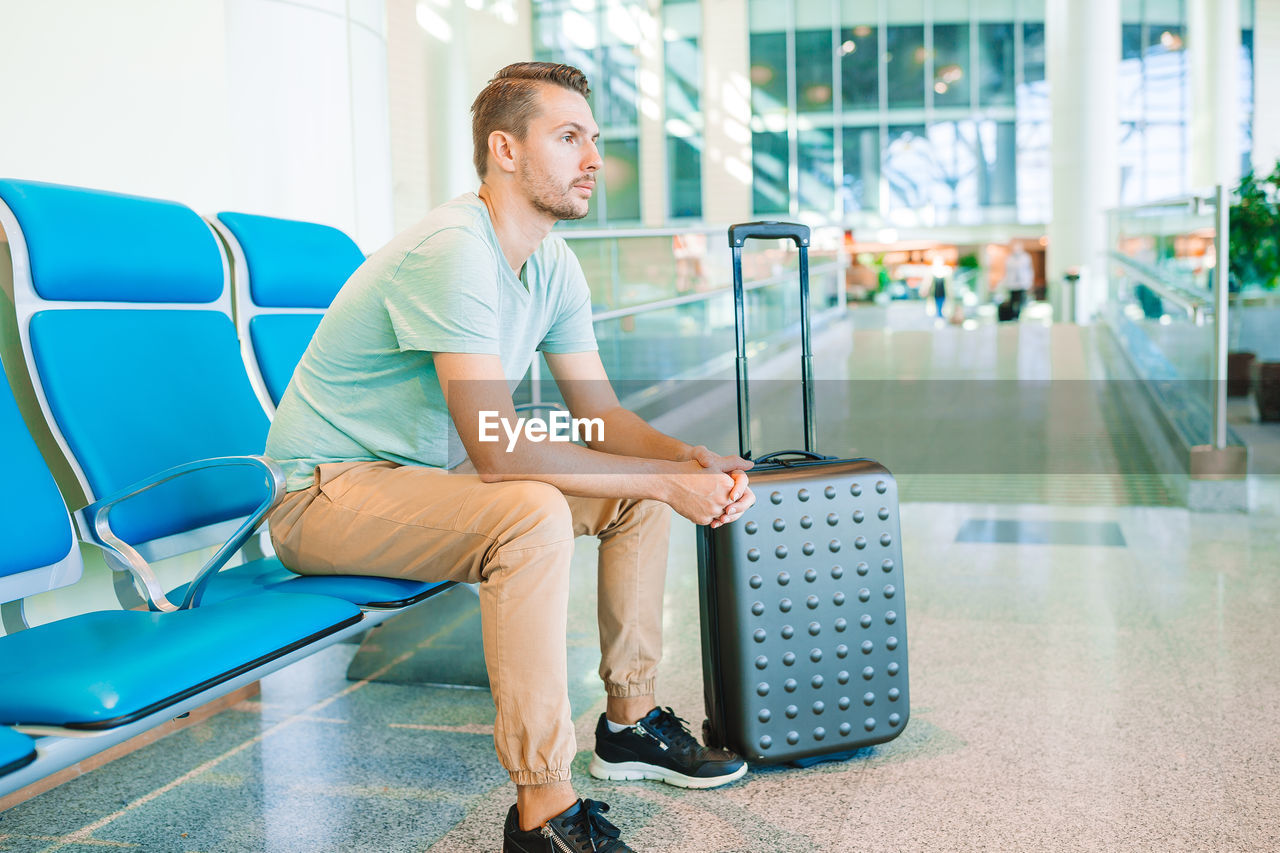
366,387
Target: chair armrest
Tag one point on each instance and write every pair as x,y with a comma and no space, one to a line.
95,520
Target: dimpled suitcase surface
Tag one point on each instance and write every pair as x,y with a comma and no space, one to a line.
804,629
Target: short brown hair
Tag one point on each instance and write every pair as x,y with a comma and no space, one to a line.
510,100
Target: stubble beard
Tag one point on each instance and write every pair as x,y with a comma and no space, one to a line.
547,198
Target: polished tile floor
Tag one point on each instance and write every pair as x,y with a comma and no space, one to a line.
1082,678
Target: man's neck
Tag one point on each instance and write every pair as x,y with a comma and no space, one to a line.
519,226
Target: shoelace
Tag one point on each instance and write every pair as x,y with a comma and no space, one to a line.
589,824
675,730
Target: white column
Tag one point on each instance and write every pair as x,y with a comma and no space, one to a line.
407,87
1266,74
1083,40
726,107
1213,48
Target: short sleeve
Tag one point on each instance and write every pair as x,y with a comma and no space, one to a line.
444,296
571,329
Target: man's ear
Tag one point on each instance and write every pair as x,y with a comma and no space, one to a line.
502,150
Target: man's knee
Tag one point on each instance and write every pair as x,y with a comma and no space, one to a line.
530,514
653,516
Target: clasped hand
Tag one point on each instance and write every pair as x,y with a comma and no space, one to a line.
736,494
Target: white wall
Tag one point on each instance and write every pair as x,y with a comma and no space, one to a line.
127,96
265,106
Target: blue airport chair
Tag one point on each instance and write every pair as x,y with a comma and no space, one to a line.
124,315
284,274
116,673
16,751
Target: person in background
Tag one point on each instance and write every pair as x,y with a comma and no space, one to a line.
1018,278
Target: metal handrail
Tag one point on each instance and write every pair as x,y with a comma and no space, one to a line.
611,233
674,301
1197,307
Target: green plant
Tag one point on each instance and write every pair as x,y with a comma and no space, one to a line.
967,262
1254,242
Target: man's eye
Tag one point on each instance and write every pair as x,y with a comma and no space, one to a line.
567,138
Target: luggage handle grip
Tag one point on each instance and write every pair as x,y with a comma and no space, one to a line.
804,455
769,230
799,234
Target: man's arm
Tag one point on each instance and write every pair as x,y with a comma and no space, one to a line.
475,383
582,380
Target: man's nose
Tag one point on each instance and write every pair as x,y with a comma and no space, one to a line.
591,157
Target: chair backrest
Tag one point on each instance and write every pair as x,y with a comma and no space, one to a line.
285,273
125,319
39,552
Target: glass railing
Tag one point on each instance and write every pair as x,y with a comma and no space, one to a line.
663,305
1168,313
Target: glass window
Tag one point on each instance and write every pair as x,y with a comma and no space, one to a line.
859,68
976,163
684,66
769,165
998,155
622,179
684,169
814,71
600,38
861,185
682,57
768,73
951,65
618,67
909,168
955,148
1246,99
904,62
1130,41
1035,187
816,158
1033,56
996,64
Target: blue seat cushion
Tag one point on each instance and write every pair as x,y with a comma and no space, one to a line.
106,669
94,246
269,575
293,264
34,526
16,751
279,340
136,391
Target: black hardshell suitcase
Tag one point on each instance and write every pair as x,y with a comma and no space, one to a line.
804,631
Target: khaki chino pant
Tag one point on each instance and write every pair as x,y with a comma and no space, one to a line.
514,539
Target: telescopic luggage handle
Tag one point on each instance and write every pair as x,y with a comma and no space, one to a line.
798,234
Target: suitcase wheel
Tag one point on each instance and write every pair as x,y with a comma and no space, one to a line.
709,736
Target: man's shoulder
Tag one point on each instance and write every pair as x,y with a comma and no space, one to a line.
557,259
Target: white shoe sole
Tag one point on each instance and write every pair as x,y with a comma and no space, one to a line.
635,771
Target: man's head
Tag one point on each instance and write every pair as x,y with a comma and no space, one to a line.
513,97
532,121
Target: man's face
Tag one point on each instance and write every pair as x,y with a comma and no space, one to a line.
560,160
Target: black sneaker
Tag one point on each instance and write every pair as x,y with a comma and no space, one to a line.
581,828
660,747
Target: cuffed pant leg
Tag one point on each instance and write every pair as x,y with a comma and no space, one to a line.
634,539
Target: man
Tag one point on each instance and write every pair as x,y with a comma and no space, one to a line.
1018,278
434,330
